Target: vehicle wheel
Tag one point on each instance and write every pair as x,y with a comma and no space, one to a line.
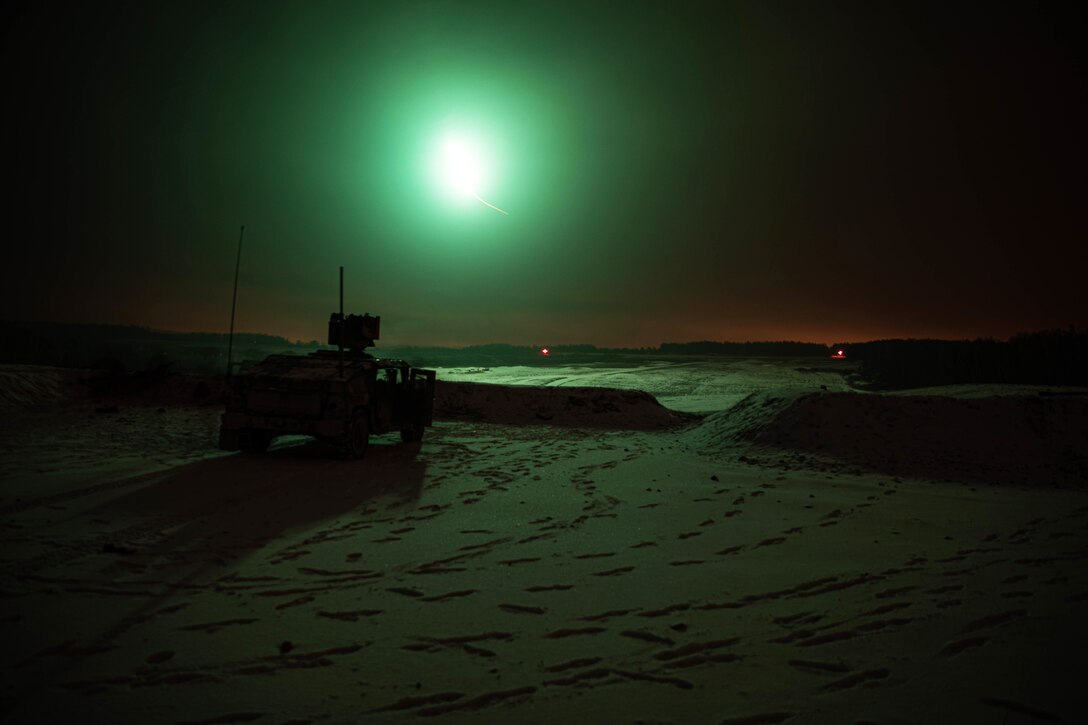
358,437
228,439
253,441
413,434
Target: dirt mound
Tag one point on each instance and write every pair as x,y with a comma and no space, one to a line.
742,422
29,386
26,386
564,406
1030,440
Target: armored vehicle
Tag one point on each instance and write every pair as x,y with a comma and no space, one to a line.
340,396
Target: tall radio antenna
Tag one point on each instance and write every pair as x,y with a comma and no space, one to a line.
234,301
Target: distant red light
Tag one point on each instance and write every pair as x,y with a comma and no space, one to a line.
839,354
544,351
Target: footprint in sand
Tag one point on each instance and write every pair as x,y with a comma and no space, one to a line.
484,545
866,678
954,648
697,653
820,667
580,679
646,636
885,608
763,718
353,616
801,618
535,537
405,591
305,599
1010,705
448,596
522,609
212,627
604,616
549,588
573,664
574,632
993,620
894,592
665,611
477,702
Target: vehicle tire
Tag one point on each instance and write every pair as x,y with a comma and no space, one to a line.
228,439
412,435
253,441
358,437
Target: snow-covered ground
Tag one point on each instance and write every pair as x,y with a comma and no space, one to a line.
796,553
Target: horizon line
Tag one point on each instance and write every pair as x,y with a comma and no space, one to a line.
1073,329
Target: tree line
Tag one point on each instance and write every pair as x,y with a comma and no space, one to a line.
1048,357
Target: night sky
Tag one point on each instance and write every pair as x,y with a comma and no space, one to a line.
732,171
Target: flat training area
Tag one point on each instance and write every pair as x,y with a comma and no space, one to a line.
738,541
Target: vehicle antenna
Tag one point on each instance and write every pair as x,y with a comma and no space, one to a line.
234,301
340,334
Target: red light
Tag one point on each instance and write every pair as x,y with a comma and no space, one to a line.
839,354
543,351
843,354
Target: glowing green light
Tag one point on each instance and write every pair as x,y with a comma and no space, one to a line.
459,166
462,168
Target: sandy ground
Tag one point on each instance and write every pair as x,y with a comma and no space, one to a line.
795,554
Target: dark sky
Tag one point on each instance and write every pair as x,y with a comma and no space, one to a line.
729,171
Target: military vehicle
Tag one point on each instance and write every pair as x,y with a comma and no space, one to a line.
341,396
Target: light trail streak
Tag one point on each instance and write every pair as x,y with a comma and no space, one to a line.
484,201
